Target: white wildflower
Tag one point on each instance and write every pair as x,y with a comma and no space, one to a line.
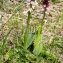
28,2
26,11
34,4
45,21
41,9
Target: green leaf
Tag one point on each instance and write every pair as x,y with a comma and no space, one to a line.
62,16
37,49
8,54
0,58
38,44
28,38
28,20
1,4
47,54
31,38
20,6
27,62
30,57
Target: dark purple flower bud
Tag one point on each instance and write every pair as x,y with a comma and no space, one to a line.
32,0
45,3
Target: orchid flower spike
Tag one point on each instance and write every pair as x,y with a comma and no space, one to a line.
45,3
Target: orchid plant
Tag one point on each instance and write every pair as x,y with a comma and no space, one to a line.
29,48
33,41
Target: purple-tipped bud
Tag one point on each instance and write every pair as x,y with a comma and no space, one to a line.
45,3
32,0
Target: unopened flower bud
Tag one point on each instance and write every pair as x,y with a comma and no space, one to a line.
32,0
45,3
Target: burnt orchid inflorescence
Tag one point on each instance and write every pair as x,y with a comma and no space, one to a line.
32,0
45,3
32,4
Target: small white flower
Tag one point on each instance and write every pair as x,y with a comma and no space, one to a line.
28,2
48,10
30,9
34,4
41,9
45,21
26,11
24,24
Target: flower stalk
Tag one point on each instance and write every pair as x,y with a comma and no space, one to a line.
42,22
45,4
28,20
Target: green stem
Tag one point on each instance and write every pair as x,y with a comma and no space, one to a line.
27,31
42,22
28,20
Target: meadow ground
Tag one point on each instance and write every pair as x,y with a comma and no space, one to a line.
12,28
